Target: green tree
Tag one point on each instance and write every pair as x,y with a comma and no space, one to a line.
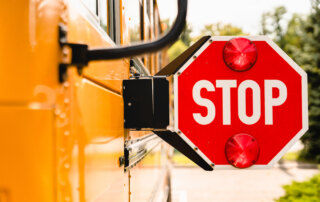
272,23
186,35
220,29
176,49
311,62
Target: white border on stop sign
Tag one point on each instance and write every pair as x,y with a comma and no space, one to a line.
304,89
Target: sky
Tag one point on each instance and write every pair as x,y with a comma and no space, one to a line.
245,14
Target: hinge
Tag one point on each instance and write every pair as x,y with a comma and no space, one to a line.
137,149
71,54
146,103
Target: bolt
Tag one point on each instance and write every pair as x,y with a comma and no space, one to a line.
67,165
65,51
129,104
62,115
57,112
66,84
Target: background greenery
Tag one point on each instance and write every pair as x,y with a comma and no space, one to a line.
308,191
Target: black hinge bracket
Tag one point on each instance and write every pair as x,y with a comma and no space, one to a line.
146,103
146,106
72,54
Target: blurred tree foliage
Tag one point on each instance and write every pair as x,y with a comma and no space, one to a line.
135,35
185,35
220,29
182,44
301,40
272,24
176,49
302,191
186,40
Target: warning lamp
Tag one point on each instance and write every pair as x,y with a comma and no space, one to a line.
240,54
242,150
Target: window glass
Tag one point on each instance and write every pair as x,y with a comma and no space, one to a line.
103,14
92,5
134,19
146,20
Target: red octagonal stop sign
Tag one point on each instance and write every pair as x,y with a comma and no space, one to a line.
240,102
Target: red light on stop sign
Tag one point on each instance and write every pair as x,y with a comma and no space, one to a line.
242,150
240,54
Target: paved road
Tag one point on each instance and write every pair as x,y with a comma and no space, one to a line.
196,185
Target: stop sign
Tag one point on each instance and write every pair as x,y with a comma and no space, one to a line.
245,108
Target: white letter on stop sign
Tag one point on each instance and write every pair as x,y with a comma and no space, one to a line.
256,102
226,98
203,102
226,86
269,101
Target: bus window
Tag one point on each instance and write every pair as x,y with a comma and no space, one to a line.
114,20
103,14
91,5
134,20
146,20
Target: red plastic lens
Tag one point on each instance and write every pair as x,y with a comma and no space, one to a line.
242,150
240,54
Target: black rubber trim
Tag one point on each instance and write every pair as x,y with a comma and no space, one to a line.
178,143
149,47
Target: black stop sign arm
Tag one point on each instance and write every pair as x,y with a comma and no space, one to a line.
146,105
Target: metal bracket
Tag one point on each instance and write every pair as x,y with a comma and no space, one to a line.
146,107
136,150
146,103
71,54
179,144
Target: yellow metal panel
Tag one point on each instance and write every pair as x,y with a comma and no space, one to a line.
101,115
101,111
149,179
28,48
27,154
83,27
104,179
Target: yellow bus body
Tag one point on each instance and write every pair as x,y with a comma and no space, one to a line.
63,141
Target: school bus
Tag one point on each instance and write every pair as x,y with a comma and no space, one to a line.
62,127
